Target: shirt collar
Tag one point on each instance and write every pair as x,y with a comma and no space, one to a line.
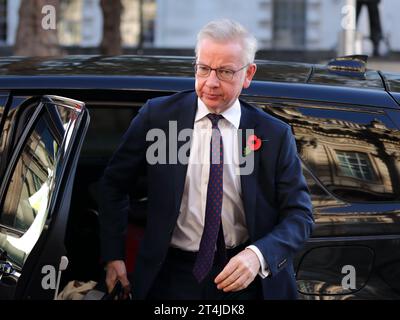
232,114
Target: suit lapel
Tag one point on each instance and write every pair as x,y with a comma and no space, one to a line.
185,120
248,179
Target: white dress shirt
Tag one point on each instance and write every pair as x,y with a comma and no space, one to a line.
190,224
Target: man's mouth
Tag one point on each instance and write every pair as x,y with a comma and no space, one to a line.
211,96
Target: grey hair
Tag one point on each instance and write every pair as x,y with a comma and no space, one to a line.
228,30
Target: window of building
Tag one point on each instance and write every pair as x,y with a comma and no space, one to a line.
355,164
70,22
137,22
289,23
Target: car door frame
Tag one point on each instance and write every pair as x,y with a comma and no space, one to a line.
49,248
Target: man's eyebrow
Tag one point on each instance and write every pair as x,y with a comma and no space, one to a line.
226,67
230,67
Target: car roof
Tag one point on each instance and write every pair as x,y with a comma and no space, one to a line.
84,65
174,73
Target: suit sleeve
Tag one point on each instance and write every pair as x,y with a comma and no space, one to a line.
294,206
114,187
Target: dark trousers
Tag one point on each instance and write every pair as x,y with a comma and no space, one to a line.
374,21
175,281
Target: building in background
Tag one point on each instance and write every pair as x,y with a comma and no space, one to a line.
80,23
279,25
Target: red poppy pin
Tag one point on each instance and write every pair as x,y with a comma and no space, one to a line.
253,144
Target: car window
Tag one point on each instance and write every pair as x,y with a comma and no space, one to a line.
106,130
2,107
12,129
25,207
352,150
3,101
27,196
3,126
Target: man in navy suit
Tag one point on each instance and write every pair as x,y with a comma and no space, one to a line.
228,206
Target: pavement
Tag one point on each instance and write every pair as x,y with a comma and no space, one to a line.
383,64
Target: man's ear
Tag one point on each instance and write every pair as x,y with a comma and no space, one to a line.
250,72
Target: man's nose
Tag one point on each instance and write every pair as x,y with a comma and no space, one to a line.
212,79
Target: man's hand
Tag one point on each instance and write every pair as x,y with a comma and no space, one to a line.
116,270
239,272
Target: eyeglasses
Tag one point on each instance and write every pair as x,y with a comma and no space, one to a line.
223,74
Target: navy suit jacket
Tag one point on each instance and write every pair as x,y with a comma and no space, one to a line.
275,195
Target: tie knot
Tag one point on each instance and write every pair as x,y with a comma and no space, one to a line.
214,118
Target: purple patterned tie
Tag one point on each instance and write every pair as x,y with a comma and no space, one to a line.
212,224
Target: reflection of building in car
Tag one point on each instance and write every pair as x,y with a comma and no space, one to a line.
357,159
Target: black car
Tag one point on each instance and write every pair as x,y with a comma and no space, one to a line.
61,119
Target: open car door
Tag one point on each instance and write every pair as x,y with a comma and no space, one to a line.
35,194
